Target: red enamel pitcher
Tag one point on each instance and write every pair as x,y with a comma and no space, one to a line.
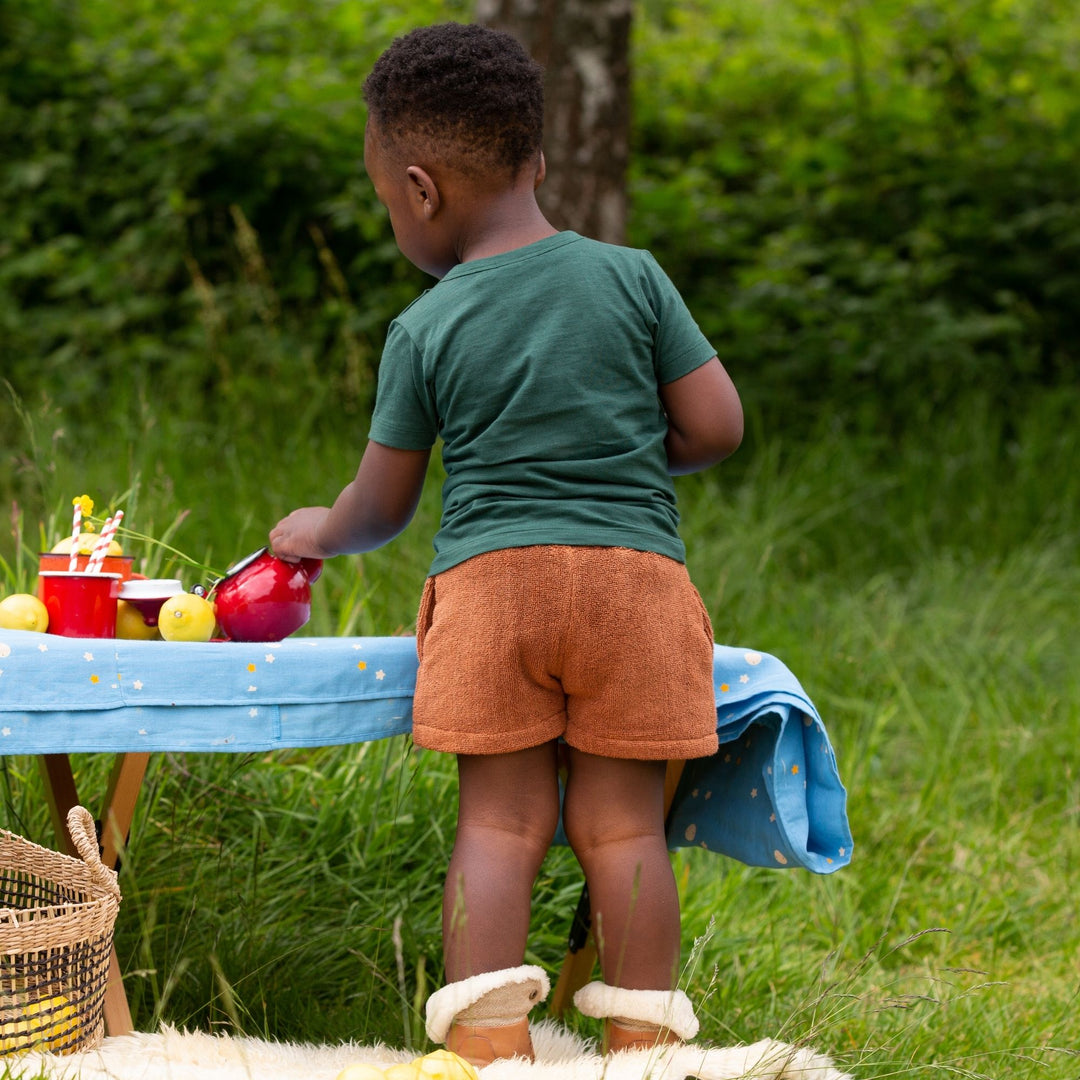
264,598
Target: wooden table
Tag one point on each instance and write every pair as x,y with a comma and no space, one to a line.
771,796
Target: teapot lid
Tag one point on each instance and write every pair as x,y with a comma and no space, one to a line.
242,564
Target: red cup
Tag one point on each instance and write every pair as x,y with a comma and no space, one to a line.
57,560
80,604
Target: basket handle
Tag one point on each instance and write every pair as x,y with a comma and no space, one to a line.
80,823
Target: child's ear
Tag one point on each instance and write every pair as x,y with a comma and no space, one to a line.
541,171
424,193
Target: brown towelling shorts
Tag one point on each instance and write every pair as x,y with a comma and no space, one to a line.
610,648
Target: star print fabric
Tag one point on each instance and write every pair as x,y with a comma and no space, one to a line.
81,695
770,796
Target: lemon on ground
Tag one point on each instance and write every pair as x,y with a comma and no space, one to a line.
187,617
408,1071
361,1072
86,542
21,611
131,625
444,1065
51,1024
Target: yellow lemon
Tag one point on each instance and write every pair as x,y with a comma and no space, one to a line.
444,1065
86,544
130,623
409,1071
51,1024
187,617
361,1072
21,611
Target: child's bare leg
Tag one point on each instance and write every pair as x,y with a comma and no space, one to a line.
507,814
613,814
614,819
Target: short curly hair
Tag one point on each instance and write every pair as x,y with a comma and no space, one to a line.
471,94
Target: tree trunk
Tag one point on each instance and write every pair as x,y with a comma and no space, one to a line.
584,46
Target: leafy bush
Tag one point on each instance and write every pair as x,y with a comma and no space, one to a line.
185,205
871,208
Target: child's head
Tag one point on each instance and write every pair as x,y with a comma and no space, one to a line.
466,96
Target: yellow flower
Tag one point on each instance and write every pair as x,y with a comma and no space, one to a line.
86,508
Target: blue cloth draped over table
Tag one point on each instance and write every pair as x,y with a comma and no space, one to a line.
771,796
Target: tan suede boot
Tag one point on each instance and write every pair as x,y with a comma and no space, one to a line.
482,1045
485,1017
638,1019
621,1033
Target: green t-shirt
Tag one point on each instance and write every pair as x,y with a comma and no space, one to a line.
539,369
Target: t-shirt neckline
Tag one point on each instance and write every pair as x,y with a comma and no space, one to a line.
528,251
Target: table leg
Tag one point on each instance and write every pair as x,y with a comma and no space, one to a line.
115,1007
119,809
116,815
60,794
580,959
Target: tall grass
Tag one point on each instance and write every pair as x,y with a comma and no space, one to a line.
925,593
926,597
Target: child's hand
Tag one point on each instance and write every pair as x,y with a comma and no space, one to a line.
295,537
371,509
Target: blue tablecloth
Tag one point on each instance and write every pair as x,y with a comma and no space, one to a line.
771,796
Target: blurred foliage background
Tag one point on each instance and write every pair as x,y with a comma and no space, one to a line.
872,209
189,241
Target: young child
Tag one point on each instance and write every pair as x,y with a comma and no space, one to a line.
567,382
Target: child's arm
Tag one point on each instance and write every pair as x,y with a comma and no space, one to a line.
705,418
370,510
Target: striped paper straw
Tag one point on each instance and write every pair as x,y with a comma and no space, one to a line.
76,532
101,548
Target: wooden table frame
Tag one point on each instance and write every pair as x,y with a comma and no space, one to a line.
115,822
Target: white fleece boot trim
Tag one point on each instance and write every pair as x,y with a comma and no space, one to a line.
521,988
662,1008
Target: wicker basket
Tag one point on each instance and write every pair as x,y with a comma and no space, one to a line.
56,933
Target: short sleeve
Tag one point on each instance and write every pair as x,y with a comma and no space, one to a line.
404,417
679,346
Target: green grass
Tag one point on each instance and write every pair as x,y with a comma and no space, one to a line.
925,593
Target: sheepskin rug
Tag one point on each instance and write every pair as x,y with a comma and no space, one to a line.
560,1055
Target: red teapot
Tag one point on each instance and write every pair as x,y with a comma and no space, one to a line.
264,598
